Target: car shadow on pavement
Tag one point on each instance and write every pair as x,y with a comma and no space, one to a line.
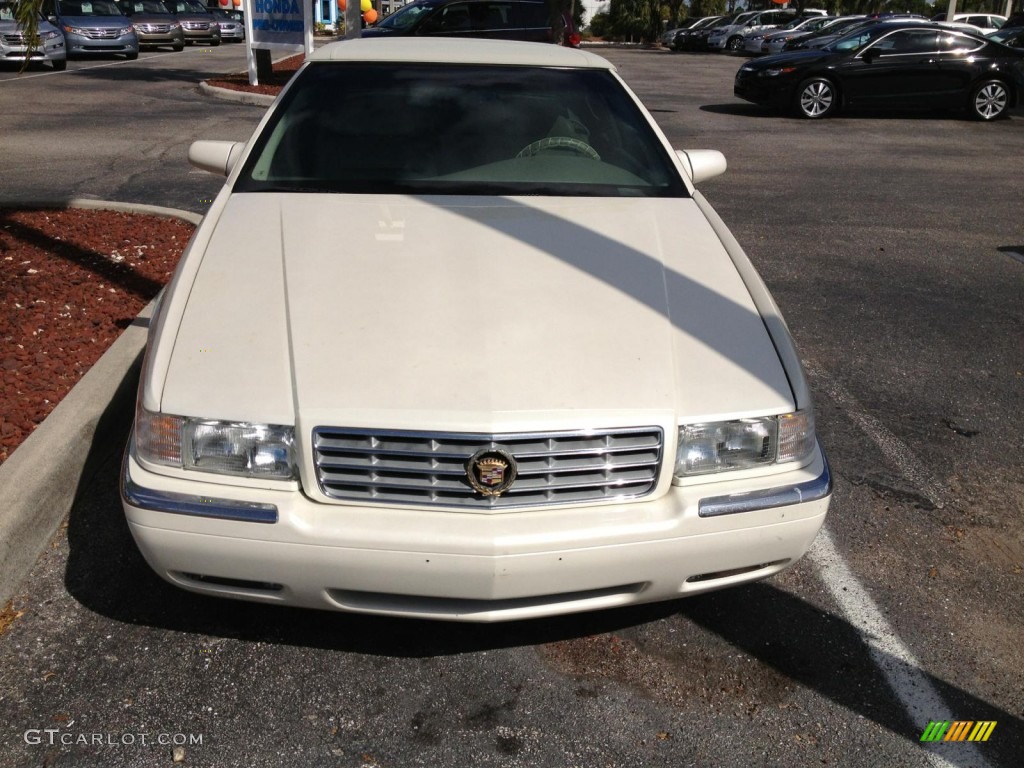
741,110
754,110
814,648
138,72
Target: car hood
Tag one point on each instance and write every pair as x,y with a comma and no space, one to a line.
474,314
13,26
154,18
96,22
789,58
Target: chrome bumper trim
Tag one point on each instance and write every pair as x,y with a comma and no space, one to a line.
801,493
195,506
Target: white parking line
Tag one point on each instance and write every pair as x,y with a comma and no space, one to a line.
23,77
1015,256
894,449
902,670
897,663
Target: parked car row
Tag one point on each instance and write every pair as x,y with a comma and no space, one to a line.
772,31
526,20
890,64
69,28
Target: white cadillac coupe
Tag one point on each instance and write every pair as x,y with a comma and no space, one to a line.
459,339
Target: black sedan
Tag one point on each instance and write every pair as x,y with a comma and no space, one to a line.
892,65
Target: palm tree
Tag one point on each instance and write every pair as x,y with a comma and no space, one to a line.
26,12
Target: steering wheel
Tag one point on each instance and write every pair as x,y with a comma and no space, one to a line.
559,142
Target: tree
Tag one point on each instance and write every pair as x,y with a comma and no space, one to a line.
26,13
674,11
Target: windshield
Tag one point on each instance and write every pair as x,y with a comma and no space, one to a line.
858,38
405,17
186,6
132,7
89,8
459,130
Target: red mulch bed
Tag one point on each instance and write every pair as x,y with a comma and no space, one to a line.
70,282
283,71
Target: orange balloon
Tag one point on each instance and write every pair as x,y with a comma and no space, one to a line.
225,2
370,16
341,5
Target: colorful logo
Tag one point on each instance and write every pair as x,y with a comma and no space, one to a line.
491,471
958,730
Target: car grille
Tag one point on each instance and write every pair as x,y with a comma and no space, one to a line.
430,467
102,33
14,39
154,29
195,26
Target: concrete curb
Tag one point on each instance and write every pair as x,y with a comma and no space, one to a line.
240,97
40,479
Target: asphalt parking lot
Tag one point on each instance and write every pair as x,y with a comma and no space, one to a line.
893,244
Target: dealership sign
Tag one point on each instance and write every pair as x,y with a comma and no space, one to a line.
284,26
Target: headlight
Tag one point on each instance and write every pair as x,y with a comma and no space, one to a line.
73,30
50,35
175,25
775,72
126,30
743,444
220,447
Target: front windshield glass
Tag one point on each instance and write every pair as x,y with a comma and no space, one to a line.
857,39
459,130
89,8
405,17
133,7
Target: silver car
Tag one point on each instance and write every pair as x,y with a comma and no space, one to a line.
93,27
198,24
231,23
155,25
13,45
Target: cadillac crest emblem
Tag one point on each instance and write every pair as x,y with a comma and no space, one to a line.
491,471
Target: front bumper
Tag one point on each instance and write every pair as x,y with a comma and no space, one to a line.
51,50
210,35
769,91
281,547
154,39
82,45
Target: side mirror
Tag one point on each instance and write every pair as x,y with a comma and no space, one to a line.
701,164
869,55
215,156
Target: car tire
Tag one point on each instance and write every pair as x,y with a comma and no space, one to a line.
60,64
990,100
215,43
816,98
132,56
178,48
735,44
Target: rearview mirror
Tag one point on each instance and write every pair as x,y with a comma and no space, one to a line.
701,164
215,156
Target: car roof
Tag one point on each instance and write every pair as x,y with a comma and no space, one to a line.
447,50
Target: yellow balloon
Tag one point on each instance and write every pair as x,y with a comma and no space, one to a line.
365,5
